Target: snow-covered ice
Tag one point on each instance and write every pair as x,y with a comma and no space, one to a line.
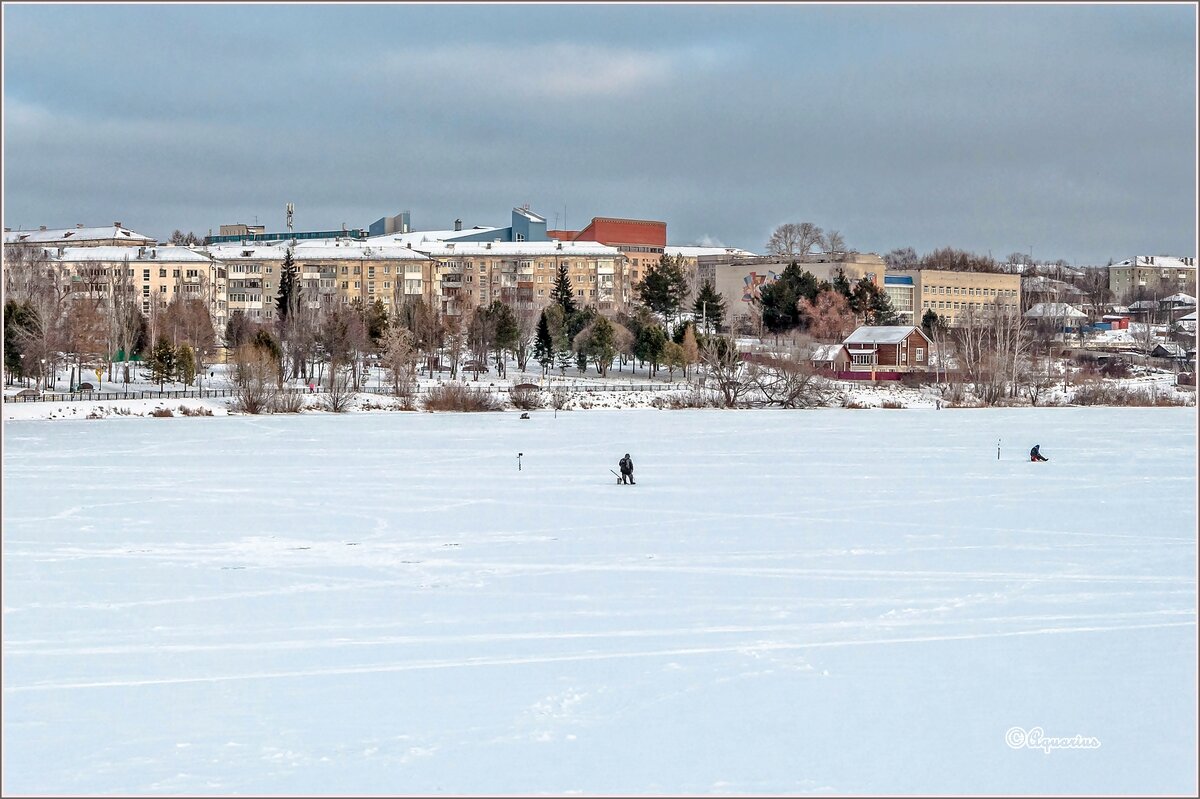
834,601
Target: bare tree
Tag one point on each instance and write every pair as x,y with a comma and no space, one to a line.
793,238
256,380
833,243
340,396
400,357
723,365
790,381
830,317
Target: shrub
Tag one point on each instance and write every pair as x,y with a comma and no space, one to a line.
457,397
162,413
198,411
288,402
526,398
891,404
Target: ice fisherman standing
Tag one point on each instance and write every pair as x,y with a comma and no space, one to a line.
626,465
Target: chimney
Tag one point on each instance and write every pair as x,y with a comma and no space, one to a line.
457,224
116,224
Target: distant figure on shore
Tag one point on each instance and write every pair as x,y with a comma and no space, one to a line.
626,465
1036,455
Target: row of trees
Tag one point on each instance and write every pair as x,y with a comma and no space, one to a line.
795,239
824,309
49,323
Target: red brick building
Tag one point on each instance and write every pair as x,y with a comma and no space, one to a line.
641,240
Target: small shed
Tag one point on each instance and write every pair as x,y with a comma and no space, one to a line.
833,357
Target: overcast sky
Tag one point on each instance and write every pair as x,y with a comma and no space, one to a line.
1068,129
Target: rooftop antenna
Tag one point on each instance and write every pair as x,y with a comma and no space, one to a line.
291,209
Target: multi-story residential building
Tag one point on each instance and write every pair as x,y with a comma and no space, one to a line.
739,279
157,275
78,236
522,274
950,294
1151,277
329,269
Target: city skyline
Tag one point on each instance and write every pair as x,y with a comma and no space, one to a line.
1068,130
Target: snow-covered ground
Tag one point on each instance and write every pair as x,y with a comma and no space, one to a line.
823,601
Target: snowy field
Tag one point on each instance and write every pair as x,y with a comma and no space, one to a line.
835,601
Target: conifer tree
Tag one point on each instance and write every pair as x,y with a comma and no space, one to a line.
185,366
709,307
664,287
289,288
543,348
162,362
562,293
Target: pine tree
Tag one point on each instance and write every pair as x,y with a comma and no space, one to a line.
162,362
602,345
709,307
930,322
649,345
185,366
289,287
664,287
543,348
562,293
841,284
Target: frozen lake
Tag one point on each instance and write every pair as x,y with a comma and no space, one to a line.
817,601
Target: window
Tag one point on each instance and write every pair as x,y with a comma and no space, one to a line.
162,289
146,274
161,272
174,273
579,293
345,271
345,284
268,272
920,353
145,291
356,284
863,358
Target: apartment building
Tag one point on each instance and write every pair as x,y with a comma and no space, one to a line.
522,273
950,294
78,236
157,275
340,270
1151,276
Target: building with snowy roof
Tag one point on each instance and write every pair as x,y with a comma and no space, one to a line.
888,348
330,270
114,235
522,273
155,275
1152,276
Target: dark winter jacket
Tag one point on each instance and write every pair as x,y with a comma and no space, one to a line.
626,465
